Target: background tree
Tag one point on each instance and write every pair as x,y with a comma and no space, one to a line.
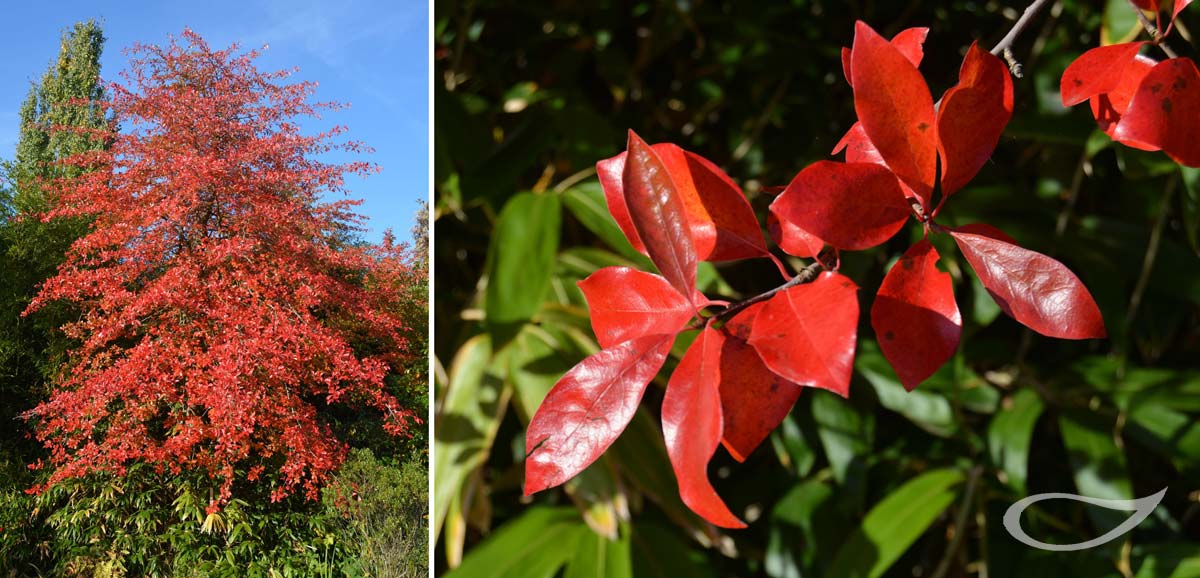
886,483
68,95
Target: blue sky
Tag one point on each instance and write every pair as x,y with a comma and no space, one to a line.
371,54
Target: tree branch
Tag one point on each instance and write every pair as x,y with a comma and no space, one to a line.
805,275
1022,23
1152,30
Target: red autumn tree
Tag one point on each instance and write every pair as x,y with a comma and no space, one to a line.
221,302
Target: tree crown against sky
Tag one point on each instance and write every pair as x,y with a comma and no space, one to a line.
221,303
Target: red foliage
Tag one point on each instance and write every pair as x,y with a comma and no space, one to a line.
745,369
1141,103
220,302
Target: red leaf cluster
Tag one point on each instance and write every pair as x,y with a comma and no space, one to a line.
743,372
1138,102
220,303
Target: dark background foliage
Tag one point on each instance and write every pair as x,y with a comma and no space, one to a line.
528,96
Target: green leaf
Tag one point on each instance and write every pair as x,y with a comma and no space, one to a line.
984,309
1190,203
466,424
1171,561
811,508
1173,434
930,411
537,359
599,557
536,544
659,553
894,524
792,449
521,260
586,202
578,263
1120,23
1098,464
846,434
1009,435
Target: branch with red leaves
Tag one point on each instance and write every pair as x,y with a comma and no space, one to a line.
747,366
1139,102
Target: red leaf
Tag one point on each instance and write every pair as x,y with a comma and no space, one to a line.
1179,6
972,116
806,334
1108,108
691,418
1165,112
910,42
915,317
860,150
895,109
657,215
588,408
858,147
792,239
848,205
717,206
753,399
626,304
1032,288
1097,71
611,172
721,222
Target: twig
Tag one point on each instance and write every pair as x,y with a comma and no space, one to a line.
804,276
1135,300
960,523
1152,30
574,179
1022,23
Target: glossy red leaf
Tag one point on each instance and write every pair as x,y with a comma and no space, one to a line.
1108,108
658,216
723,224
896,110
754,400
848,205
1179,6
915,317
910,42
792,239
692,426
806,334
972,117
625,304
1165,112
721,221
858,147
1032,288
1097,71
588,408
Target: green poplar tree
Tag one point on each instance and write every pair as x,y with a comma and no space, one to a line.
69,95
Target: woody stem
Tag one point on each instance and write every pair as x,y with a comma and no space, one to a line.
805,275
1022,23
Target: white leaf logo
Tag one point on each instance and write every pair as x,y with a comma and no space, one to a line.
1141,508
